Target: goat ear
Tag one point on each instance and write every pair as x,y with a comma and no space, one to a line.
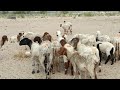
60,25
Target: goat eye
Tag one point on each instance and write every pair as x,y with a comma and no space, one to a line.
57,35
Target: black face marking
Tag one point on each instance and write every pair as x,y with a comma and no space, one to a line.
26,41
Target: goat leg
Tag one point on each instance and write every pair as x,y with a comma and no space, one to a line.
107,59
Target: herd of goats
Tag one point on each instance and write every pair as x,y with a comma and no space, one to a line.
82,52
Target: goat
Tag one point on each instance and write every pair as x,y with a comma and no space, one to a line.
107,48
67,26
41,52
47,36
102,38
3,40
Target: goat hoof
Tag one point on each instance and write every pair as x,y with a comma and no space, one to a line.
111,63
100,70
72,73
53,72
65,72
38,71
33,72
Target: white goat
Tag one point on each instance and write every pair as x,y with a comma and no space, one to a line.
59,36
115,40
13,39
56,58
67,26
46,56
80,61
102,38
107,48
41,53
86,39
89,40
29,35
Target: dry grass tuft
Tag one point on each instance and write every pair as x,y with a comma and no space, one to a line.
21,55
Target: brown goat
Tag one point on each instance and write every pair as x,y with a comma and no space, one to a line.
37,38
47,36
18,36
63,51
63,42
74,42
4,39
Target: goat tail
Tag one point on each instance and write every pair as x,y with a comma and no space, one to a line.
112,51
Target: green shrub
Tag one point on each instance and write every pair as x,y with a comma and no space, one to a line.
88,14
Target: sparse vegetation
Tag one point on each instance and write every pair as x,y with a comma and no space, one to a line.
88,14
20,55
43,14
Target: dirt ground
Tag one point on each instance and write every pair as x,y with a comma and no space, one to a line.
13,67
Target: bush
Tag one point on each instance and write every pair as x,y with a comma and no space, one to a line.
89,14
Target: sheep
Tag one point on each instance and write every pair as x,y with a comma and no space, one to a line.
41,53
115,40
65,61
102,38
78,46
29,35
56,47
65,37
85,65
59,36
13,39
80,61
46,53
3,40
34,47
85,50
16,38
107,48
62,51
92,56
47,36
87,39
74,42
67,26
19,36
56,58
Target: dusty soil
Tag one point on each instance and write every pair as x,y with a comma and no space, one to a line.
14,67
